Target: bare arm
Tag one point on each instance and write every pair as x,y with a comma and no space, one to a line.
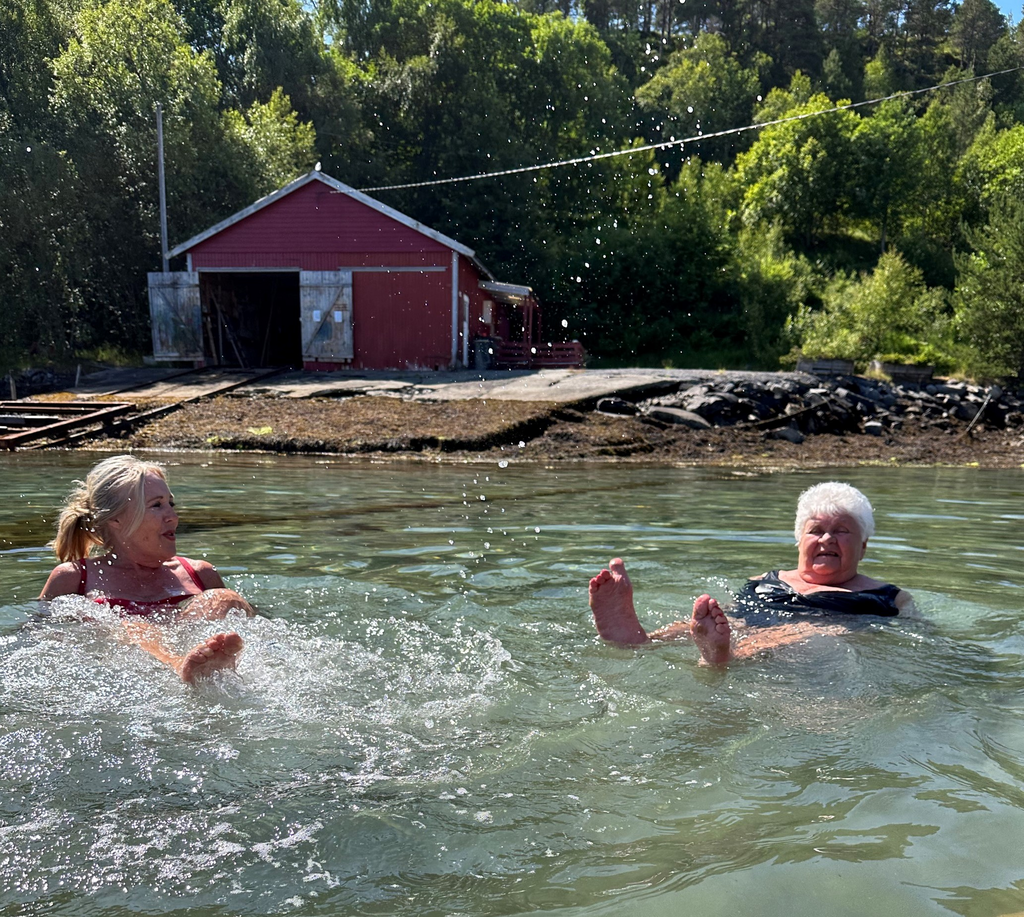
216,600
905,603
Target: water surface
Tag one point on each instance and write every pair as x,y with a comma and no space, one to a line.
425,723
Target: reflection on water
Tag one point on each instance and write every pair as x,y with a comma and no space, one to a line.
424,723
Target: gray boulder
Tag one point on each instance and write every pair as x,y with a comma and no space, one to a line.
679,417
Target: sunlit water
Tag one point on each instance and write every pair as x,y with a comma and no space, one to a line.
424,722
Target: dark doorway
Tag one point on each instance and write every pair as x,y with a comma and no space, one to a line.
251,319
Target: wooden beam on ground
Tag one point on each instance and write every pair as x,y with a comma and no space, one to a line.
125,424
68,416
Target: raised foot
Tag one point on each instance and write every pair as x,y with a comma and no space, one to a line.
611,600
219,652
711,631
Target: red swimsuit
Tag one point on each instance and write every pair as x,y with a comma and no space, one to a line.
147,606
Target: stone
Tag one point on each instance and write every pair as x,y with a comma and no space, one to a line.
790,434
965,410
617,406
679,417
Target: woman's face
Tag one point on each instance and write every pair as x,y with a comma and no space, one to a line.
154,539
830,549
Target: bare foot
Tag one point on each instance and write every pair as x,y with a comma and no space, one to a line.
219,652
611,600
711,631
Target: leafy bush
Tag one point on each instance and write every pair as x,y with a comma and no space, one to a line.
888,314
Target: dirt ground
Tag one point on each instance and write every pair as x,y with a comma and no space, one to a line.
480,430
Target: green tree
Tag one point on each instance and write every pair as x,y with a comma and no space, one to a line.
881,21
654,280
785,31
798,173
268,45
275,146
459,89
125,57
42,226
44,238
843,40
30,34
702,89
772,284
932,217
921,41
1007,54
782,101
977,26
890,155
993,168
989,295
880,76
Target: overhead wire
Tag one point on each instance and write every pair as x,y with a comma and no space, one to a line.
666,144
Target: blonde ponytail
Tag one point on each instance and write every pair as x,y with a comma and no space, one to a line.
75,533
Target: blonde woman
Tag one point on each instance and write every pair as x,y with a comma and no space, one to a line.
116,543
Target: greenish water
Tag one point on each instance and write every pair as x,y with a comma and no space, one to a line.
425,723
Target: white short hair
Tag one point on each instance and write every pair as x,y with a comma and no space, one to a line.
832,498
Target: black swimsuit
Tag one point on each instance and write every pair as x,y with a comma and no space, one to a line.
769,600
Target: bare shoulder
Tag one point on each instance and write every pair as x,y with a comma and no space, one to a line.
206,572
64,579
862,582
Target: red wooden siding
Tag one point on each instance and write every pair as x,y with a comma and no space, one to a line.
401,320
315,228
469,283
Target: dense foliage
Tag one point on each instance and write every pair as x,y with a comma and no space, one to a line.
887,229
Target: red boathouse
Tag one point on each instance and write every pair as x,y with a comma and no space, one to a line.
322,275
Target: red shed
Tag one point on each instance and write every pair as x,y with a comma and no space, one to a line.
320,274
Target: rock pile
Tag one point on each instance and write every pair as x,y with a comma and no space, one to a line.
791,410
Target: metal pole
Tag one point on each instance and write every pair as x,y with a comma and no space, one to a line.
160,179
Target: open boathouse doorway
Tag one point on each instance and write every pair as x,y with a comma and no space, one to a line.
251,318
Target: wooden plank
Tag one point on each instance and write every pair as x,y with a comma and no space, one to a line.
50,407
516,355
66,422
123,425
25,420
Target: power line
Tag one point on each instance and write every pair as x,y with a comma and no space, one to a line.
593,157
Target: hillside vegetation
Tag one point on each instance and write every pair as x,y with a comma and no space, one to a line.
892,229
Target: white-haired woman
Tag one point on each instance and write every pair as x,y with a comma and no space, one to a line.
124,513
833,524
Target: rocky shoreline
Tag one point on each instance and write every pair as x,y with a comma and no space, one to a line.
736,420
792,410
